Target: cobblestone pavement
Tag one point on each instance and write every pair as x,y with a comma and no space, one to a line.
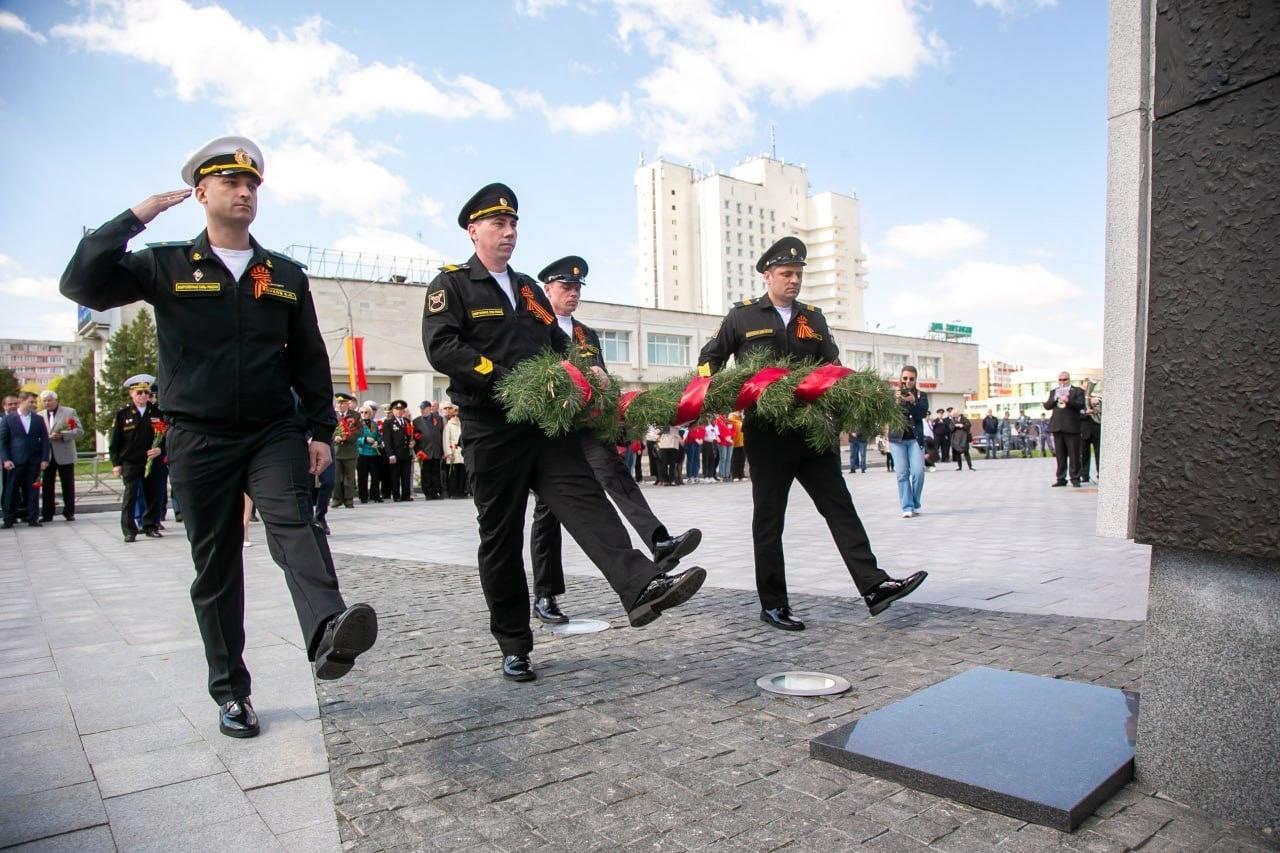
658,739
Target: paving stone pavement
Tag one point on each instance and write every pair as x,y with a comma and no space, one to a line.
658,738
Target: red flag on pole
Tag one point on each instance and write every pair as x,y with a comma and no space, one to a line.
355,364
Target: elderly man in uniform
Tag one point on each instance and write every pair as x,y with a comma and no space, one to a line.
397,439
482,318
136,439
244,375
345,452
430,443
65,429
779,325
563,281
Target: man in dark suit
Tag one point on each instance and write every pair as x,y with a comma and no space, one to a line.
1066,402
430,443
24,454
397,438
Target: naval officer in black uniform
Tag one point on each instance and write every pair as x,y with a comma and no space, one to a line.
481,318
562,281
132,443
785,328
244,376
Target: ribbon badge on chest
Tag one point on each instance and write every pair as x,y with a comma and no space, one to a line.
804,331
261,280
534,307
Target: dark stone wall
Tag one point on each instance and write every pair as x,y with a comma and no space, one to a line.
1209,462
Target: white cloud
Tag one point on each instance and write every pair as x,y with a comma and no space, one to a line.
1037,353
303,89
877,260
6,261
987,286
934,239
31,287
387,243
10,22
716,66
536,8
1016,8
596,117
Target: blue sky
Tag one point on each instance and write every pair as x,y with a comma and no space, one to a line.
973,131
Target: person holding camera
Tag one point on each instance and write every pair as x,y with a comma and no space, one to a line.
907,446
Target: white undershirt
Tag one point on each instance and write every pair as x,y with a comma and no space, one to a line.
26,421
504,284
785,313
235,259
566,323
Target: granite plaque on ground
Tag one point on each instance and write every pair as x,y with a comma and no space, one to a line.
1039,749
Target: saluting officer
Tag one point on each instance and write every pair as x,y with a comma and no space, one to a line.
481,318
563,281
238,339
130,446
778,324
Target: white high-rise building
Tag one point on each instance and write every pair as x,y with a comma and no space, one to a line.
700,236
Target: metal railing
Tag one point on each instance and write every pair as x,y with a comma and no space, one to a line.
364,266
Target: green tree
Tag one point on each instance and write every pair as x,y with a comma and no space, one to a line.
8,381
76,390
133,349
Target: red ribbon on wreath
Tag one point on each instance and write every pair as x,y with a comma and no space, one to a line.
580,381
625,402
691,399
819,381
754,387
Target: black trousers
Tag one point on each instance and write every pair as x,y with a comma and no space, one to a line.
670,459
776,461
945,448
960,457
657,468
152,489
455,480
1066,449
429,473
1090,445
738,465
366,468
710,460
383,478
211,475
611,472
344,481
20,493
402,477
504,463
67,475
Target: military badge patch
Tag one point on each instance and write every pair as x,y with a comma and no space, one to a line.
261,279
437,301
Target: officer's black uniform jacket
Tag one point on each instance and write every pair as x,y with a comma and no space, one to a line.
132,436
472,334
231,352
395,437
754,325
587,344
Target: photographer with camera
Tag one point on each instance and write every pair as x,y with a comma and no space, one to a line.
907,446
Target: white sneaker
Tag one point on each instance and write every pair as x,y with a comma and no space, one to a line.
915,512
908,514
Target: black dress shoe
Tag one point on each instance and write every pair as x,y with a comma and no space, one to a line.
1058,485
879,599
1075,485
44,520
152,533
668,552
130,537
177,516
238,719
349,634
35,522
546,609
663,593
6,526
780,617
518,668
323,525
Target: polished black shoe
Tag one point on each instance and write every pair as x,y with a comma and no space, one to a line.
177,517
238,719
668,552
44,520
323,525
6,526
663,593
131,537
518,668
152,533
348,635
1057,485
1075,485
780,617
879,599
546,609
35,522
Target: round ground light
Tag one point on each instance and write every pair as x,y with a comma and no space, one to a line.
802,683
579,626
